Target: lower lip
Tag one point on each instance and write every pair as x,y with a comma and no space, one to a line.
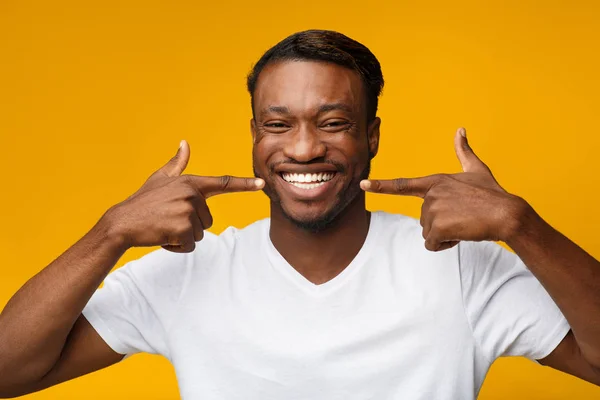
308,194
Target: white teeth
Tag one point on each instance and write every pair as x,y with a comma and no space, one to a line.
307,185
308,181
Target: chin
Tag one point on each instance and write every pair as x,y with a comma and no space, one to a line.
312,221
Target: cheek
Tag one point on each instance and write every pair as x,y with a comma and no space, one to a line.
353,152
264,154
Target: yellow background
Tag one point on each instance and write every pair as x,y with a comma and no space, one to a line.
94,96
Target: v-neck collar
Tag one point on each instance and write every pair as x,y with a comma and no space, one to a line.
280,263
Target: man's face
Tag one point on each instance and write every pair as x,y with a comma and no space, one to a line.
312,145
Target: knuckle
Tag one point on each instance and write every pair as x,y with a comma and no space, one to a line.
436,191
181,230
187,208
157,175
226,181
375,187
434,207
190,193
441,177
437,225
430,245
190,190
443,227
399,184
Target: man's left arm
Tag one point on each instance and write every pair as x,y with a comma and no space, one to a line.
572,278
472,206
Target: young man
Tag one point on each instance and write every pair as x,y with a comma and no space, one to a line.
324,300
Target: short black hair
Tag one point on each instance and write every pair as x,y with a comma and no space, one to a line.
326,46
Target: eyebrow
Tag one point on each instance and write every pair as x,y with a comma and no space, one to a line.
335,106
276,110
282,110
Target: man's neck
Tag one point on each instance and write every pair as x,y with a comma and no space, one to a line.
321,256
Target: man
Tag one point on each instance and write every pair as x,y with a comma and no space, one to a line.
324,300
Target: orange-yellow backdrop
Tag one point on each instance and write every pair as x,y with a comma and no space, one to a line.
96,95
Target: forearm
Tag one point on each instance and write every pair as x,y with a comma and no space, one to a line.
570,275
35,323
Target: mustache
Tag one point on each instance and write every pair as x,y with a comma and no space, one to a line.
338,166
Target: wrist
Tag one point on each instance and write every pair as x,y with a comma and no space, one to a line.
522,222
110,231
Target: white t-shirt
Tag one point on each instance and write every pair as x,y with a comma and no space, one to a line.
400,322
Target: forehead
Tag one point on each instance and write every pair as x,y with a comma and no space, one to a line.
304,86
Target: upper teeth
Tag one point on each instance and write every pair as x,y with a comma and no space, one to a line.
307,178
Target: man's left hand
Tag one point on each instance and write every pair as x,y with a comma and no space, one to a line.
468,206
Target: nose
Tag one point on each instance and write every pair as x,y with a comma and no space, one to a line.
304,145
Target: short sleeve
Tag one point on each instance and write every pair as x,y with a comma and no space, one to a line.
133,310
510,312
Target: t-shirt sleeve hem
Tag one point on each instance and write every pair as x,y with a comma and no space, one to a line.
552,341
109,337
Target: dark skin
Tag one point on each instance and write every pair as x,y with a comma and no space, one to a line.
472,206
169,210
307,125
466,206
315,119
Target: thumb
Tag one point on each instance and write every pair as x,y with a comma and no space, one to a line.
177,164
468,159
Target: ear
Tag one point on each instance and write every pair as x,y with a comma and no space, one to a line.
253,130
373,136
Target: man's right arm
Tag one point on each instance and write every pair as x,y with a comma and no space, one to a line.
44,338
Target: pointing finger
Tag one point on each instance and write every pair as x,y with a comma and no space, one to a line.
468,159
403,186
214,185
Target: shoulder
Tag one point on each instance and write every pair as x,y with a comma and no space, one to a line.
396,221
165,266
396,227
232,237
401,237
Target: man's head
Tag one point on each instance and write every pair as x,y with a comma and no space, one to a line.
314,102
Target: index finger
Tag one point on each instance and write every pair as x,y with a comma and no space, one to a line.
402,186
214,185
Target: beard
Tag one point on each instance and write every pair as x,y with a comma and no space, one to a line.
322,222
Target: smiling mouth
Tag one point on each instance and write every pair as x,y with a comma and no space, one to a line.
307,181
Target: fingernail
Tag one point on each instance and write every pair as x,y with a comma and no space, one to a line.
181,144
259,182
462,131
365,185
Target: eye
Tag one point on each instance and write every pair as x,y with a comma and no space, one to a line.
336,125
275,126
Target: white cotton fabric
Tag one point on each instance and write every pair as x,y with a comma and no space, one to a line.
400,322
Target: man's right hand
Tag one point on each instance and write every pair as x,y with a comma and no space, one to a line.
170,209
42,330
